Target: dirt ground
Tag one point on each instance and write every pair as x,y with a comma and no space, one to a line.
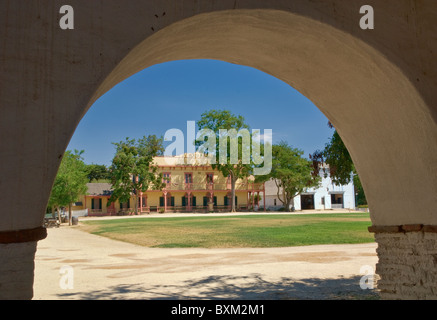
73,265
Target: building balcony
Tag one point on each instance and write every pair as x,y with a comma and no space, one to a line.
252,187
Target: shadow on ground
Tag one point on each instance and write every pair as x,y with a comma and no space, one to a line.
251,287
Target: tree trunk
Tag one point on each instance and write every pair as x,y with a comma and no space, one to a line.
59,216
69,214
277,192
233,181
286,201
287,205
59,212
136,204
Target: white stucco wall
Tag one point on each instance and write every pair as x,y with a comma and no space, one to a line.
324,191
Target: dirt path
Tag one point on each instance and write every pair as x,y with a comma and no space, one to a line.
106,269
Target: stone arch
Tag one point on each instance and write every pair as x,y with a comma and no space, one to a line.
377,88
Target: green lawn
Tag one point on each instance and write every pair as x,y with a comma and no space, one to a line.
270,230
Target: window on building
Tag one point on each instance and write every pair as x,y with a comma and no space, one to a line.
142,202
166,177
124,205
210,177
188,178
96,203
227,200
170,201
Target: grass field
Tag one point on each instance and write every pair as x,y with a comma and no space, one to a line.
270,230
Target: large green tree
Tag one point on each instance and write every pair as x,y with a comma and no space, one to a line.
97,172
132,170
230,161
70,183
291,172
151,145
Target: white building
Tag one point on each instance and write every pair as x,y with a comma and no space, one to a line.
327,196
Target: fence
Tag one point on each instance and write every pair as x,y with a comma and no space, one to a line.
80,213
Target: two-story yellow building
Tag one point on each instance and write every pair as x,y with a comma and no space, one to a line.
191,186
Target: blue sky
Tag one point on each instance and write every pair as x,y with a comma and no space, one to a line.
168,95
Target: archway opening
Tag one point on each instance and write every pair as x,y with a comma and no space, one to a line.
349,81
250,99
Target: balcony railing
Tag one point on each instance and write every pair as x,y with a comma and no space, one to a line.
213,186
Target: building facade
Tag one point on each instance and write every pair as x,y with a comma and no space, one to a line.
326,197
191,186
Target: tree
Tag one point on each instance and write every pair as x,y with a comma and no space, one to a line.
291,173
151,145
218,121
341,167
97,172
359,191
132,170
70,183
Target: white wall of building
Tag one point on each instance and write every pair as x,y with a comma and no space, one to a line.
322,195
